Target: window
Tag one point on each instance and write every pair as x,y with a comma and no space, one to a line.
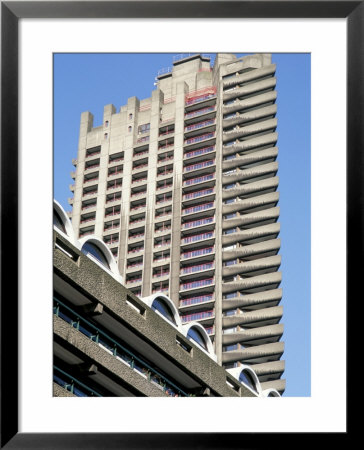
106,123
57,221
90,248
196,336
106,135
143,128
246,378
130,128
130,116
229,348
164,309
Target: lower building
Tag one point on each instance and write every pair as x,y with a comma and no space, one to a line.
109,342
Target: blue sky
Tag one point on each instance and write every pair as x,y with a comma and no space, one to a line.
87,82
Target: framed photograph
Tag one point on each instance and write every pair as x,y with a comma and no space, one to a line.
35,36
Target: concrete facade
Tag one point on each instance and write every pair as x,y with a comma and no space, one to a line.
182,187
108,342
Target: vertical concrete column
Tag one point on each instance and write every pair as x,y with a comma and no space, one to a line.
157,102
86,124
181,91
127,142
109,110
218,226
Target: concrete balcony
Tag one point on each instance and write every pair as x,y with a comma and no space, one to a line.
249,89
88,221
137,195
187,244
254,267
249,144
136,238
210,287
265,248
249,130
255,319
161,278
251,102
135,252
250,76
137,223
204,140
73,175
252,220
253,235
74,162
267,155
255,203
249,189
253,284
279,385
70,200
259,300
257,172
249,116
138,169
113,202
255,336
71,187
197,128
200,114
204,317
269,370
256,354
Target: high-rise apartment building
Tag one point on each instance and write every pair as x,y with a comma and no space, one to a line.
182,186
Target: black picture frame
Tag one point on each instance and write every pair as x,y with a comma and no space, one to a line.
11,12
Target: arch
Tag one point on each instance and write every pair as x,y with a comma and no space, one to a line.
62,222
271,393
247,376
195,332
164,306
98,251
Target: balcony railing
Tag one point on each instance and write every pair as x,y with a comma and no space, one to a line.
161,274
200,95
136,250
130,266
197,223
199,252
196,126
116,349
191,181
111,241
199,138
87,220
134,236
200,151
164,147
197,237
198,208
92,167
197,194
197,316
199,112
137,180
112,213
90,205
200,165
195,300
72,385
142,139
197,268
